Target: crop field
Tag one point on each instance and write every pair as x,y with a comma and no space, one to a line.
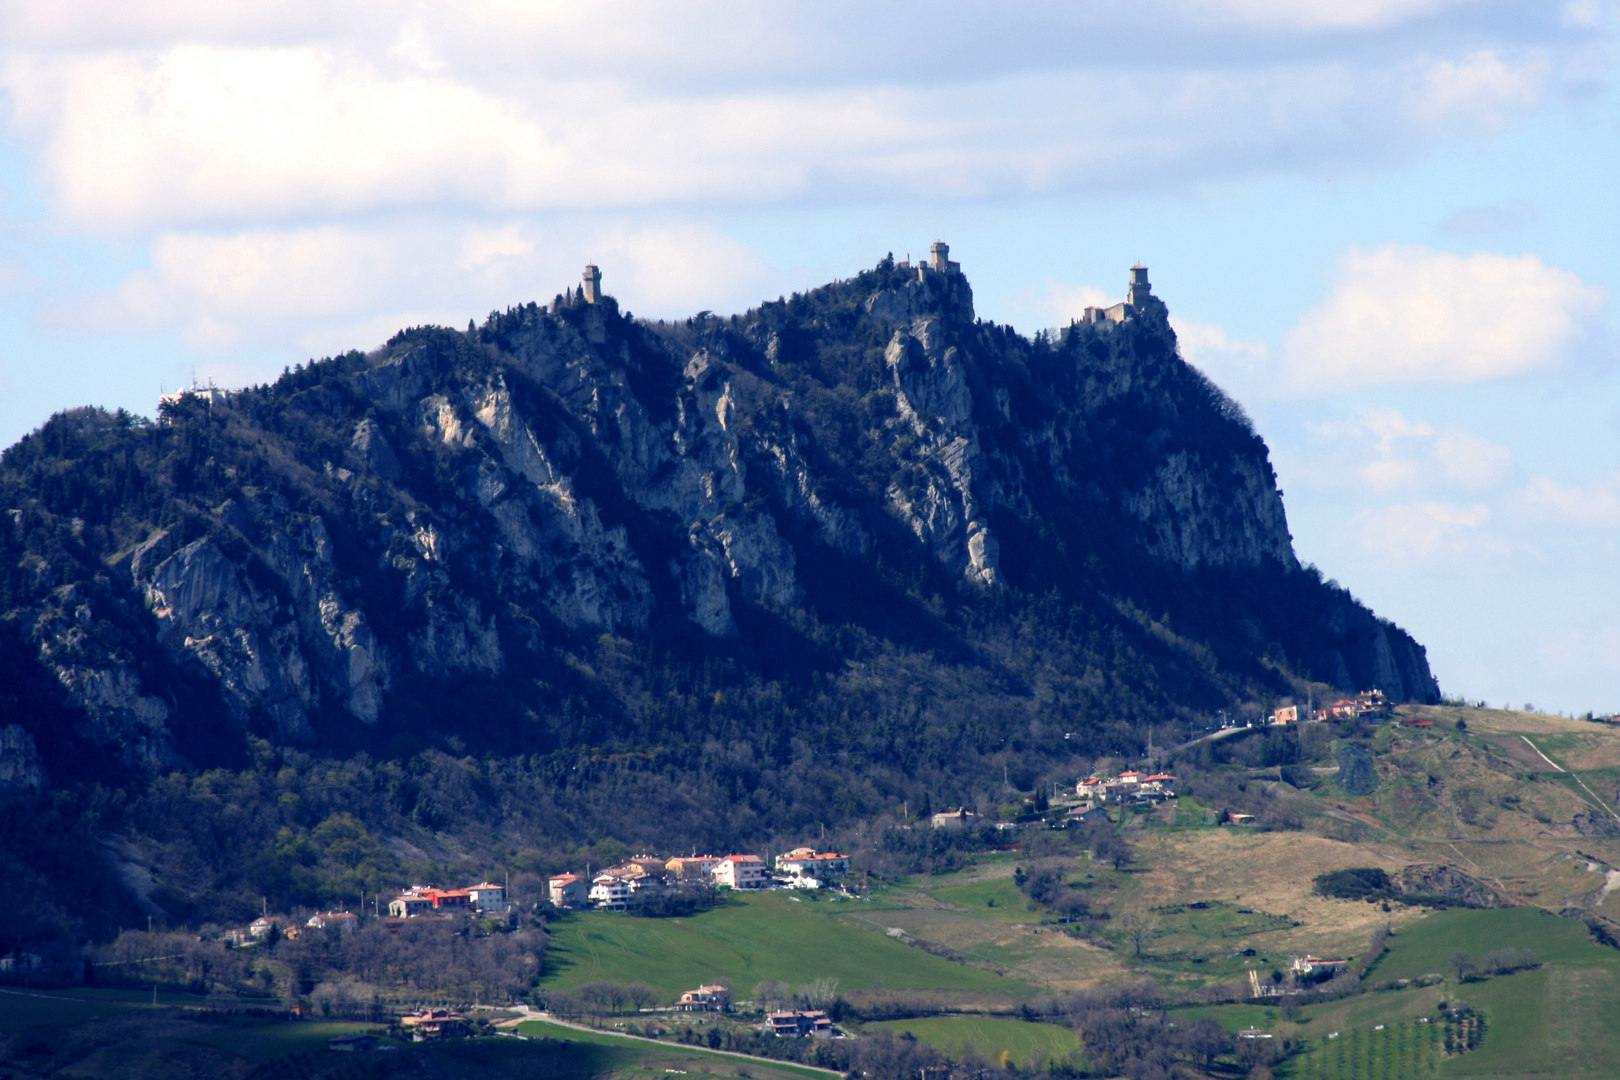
1396,1051
767,936
1030,1045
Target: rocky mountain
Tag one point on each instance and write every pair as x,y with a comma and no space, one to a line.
460,507
858,525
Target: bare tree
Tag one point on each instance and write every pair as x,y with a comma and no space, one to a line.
819,993
1140,930
770,994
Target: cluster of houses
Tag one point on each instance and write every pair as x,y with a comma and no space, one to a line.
716,997
289,927
646,877
1367,705
1129,788
485,898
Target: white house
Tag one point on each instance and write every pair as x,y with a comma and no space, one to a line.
741,872
808,862
610,892
333,920
489,897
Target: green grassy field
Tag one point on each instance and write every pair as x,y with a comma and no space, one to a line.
767,936
1427,946
622,1051
1031,1046
1561,1020
1398,1051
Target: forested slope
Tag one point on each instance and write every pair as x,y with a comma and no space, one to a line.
570,576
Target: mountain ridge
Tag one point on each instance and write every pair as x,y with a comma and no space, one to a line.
865,470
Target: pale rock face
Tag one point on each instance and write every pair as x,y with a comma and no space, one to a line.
20,769
1193,517
942,502
102,682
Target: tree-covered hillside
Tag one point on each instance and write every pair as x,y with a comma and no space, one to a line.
571,578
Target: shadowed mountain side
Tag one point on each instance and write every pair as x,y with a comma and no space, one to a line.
857,535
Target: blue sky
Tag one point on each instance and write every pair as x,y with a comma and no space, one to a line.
1388,227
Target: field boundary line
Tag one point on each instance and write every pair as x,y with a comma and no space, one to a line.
549,1019
1573,775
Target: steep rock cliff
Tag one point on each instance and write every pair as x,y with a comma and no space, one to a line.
358,552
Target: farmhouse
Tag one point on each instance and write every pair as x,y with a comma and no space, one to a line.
1312,965
814,1023
711,997
432,1024
954,819
333,920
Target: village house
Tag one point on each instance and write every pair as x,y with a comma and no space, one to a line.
262,926
1288,714
807,862
410,905
567,892
488,897
420,900
954,819
813,1023
610,892
432,1024
654,866
1312,965
711,997
333,920
1369,705
692,867
1080,814
742,872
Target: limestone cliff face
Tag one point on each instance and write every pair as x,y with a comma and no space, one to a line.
448,509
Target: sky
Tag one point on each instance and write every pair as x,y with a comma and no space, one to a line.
1387,227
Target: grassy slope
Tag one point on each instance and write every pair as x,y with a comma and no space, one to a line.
1030,1045
657,1057
768,936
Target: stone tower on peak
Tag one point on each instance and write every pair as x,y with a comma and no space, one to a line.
1139,289
940,257
593,283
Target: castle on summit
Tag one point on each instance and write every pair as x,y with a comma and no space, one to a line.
593,283
1136,294
939,261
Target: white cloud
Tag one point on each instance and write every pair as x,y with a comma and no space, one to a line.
1389,453
1595,505
351,287
184,117
1241,368
1407,534
1061,304
1412,314
1328,14
1482,88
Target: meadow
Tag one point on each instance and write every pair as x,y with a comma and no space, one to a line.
1031,1046
787,938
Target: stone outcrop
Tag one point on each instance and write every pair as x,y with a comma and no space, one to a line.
1448,883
